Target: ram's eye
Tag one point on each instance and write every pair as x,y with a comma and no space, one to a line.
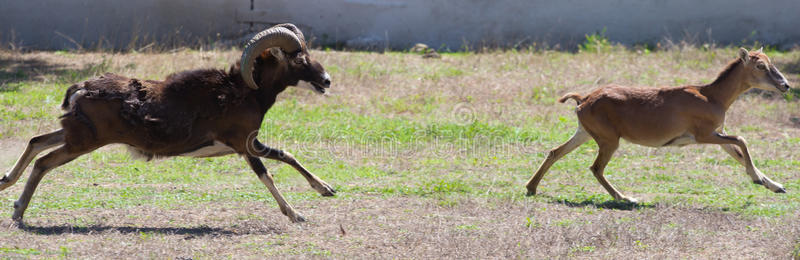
761,66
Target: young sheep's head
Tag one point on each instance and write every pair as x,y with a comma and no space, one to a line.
762,73
285,45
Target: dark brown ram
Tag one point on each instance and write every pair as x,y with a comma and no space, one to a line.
199,113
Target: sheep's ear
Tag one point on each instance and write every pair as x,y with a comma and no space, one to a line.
277,53
760,50
744,54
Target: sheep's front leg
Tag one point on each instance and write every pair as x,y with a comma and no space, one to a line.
266,178
723,139
754,173
737,154
262,150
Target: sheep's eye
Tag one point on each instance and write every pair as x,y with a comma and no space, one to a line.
761,66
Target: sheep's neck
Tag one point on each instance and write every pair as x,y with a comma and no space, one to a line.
267,97
727,87
268,92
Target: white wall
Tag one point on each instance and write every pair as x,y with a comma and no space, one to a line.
434,22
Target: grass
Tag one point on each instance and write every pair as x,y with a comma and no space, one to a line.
430,158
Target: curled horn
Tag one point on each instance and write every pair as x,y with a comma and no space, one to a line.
295,30
276,36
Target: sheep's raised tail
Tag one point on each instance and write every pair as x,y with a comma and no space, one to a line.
577,97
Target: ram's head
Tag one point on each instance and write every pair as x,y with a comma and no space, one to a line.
286,46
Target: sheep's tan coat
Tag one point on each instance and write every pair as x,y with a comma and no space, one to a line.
669,116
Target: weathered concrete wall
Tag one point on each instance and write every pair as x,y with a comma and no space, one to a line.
399,24
49,23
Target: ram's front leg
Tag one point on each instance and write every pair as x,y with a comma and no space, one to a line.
266,178
318,184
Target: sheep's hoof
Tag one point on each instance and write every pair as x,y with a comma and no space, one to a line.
4,183
17,217
781,190
324,189
16,224
297,218
629,199
531,193
17,213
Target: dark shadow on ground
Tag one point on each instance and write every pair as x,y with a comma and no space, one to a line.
189,232
607,204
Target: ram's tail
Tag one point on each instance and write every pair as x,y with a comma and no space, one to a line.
577,97
73,92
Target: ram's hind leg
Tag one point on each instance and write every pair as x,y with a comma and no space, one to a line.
43,165
35,146
580,137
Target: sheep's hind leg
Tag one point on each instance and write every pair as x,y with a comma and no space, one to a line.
35,146
43,165
275,154
580,137
266,178
606,151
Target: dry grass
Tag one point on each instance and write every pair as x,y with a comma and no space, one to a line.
430,197
401,227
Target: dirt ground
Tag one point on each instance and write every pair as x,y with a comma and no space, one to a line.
432,204
399,227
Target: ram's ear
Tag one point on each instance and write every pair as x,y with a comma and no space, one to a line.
277,53
744,54
274,52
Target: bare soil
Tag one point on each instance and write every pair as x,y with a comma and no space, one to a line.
499,87
401,227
